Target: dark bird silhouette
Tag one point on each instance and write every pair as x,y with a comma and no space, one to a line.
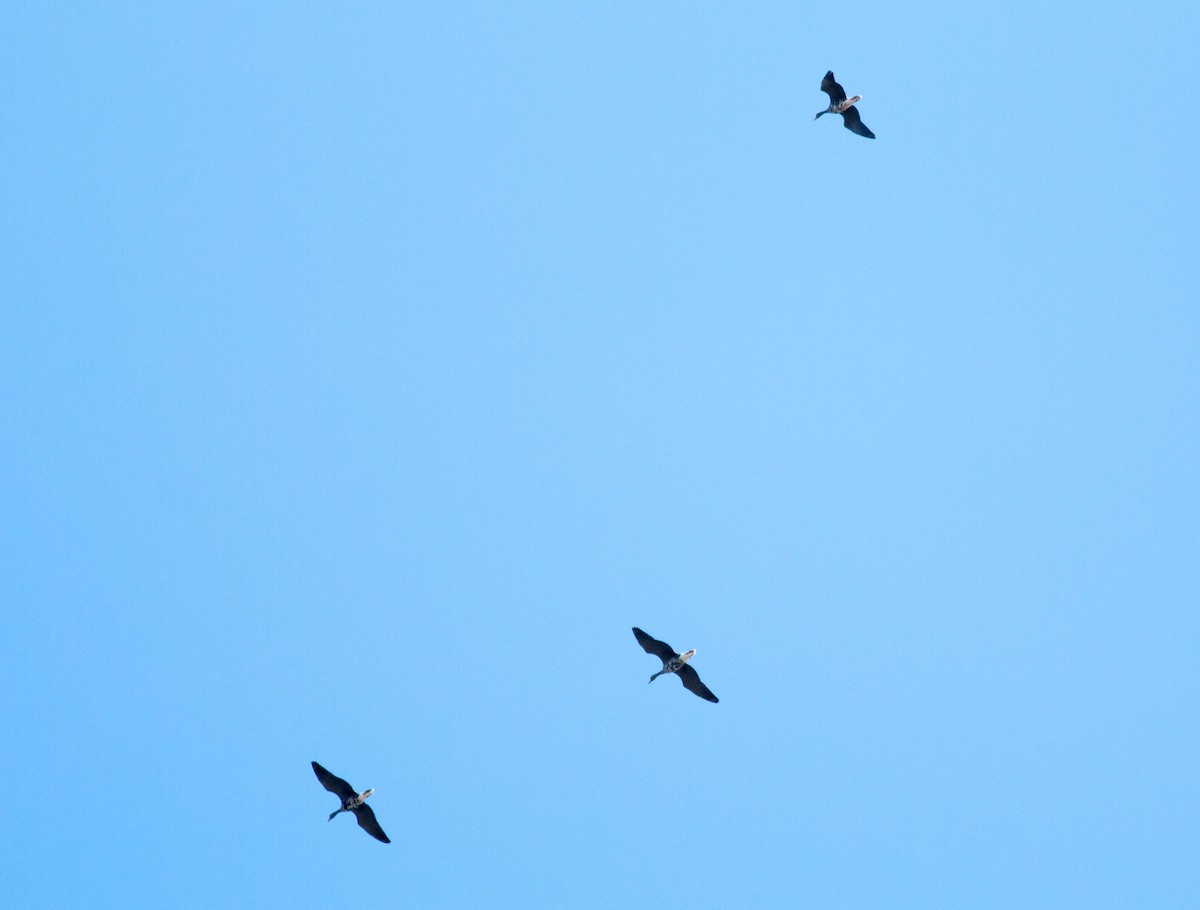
840,104
352,801
674,663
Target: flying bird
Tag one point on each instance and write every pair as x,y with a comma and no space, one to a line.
674,663
840,104
352,801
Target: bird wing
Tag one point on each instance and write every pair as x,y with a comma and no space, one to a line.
836,93
333,783
854,122
366,820
691,681
659,649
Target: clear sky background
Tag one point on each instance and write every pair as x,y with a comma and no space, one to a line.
368,370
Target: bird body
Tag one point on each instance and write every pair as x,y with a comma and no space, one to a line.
352,801
674,663
840,104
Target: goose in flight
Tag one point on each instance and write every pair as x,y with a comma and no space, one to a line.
352,801
674,663
840,104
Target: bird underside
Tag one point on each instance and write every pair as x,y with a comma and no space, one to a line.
673,665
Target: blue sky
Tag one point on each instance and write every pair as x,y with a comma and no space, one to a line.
370,369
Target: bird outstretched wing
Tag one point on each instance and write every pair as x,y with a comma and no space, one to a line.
366,820
333,783
659,649
836,93
691,681
854,122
